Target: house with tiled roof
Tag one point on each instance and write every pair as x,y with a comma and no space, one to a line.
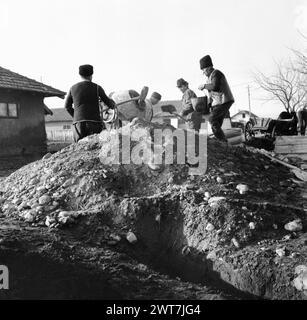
22,113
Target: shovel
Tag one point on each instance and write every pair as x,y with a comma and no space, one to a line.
172,110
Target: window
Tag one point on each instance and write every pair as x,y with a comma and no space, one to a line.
66,127
3,110
243,115
8,110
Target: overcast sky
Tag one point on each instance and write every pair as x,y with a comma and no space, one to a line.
133,43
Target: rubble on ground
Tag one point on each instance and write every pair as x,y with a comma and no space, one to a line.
235,213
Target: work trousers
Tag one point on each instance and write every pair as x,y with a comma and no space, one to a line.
195,118
302,121
86,128
216,118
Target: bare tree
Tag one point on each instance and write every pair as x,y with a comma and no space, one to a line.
301,58
301,62
287,85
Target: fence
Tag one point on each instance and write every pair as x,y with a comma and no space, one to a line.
60,135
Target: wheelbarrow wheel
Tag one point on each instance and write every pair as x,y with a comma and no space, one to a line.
248,131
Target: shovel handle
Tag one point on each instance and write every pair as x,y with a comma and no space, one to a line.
126,101
179,116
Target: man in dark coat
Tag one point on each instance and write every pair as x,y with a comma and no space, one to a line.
219,94
302,120
85,96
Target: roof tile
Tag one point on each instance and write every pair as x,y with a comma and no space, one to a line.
12,80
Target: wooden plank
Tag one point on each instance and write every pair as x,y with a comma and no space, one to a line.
295,143
303,156
284,140
290,149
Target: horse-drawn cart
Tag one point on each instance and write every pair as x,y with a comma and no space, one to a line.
285,125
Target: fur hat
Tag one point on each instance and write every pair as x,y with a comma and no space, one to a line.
86,70
156,95
205,62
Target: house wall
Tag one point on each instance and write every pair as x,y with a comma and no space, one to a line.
25,134
55,131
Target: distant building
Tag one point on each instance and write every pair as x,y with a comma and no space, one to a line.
243,116
59,125
22,111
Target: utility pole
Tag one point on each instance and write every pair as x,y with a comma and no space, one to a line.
249,100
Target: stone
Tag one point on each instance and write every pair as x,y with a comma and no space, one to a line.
211,255
252,225
219,180
17,201
23,205
243,188
210,227
216,199
281,252
235,242
115,237
41,189
300,269
300,282
47,156
295,225
185,250
50,221
131,237
29,216
43,200
207,195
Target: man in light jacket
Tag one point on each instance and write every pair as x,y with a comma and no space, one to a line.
219,94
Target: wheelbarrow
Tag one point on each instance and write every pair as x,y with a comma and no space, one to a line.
111,115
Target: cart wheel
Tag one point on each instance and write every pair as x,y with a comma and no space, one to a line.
274,132
248,131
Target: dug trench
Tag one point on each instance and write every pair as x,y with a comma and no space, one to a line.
193,237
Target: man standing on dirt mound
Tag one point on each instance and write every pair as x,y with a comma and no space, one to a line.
219,95
85,97
194,117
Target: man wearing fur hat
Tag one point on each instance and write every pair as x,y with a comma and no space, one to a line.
194,117
219,94
85,97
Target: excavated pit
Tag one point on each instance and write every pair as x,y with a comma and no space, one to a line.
197,228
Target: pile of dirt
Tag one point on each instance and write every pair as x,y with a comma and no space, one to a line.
224,228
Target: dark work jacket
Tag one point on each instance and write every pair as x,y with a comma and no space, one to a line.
84,96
